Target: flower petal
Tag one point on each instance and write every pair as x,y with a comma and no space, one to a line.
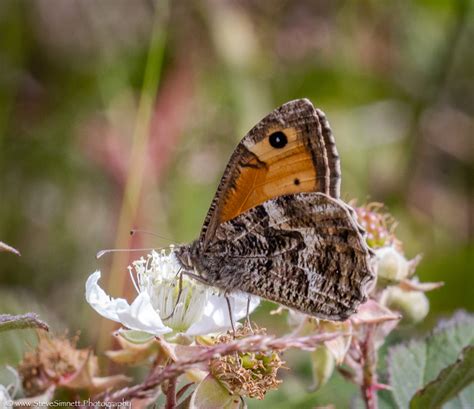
371,312
142,316
99,300
216,313
139,316
5,399
340,345
414,285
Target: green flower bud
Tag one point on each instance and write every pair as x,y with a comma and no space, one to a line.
323,364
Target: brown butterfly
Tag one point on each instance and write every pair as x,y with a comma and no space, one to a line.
277,227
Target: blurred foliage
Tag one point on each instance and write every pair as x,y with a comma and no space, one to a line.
394,78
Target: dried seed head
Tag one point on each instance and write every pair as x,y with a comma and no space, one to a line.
53,359
249,374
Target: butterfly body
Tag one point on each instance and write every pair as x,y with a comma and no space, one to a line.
277,228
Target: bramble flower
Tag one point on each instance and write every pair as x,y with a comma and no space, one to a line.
200,309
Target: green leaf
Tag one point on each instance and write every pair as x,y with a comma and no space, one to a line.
211,394
450,381
463,400
185,403
412,366
29,320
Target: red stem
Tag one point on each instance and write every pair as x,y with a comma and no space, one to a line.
171,394
369,378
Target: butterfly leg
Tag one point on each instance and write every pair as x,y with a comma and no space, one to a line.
230,313
180,290
196,277
249,324
201,280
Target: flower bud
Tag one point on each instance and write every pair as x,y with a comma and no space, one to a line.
323,363
210,393
378,225
413,305
391,265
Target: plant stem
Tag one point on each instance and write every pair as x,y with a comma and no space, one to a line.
171,394
369,378
136,173
250,344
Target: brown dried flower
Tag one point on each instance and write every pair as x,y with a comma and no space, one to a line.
57,362
53,359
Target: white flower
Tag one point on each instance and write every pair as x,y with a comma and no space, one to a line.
5,399
201,309
391,265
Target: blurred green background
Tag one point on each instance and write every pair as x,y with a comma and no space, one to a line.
120,114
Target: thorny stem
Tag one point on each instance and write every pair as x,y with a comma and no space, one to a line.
171,394
249,344
369,377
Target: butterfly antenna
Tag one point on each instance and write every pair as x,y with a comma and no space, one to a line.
133,231
107,251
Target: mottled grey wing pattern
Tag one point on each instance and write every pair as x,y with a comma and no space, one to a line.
304,251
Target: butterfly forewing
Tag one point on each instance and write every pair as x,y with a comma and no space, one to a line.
333,156
303,251
290,151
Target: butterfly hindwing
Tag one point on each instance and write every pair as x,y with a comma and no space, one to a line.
290,151
304,251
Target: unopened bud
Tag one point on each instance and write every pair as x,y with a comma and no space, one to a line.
391,265
413,305
323,363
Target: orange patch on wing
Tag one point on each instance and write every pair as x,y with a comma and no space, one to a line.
272,172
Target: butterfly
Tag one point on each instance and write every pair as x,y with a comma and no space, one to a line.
277,227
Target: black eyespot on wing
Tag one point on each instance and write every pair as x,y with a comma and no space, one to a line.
296,181
278,140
